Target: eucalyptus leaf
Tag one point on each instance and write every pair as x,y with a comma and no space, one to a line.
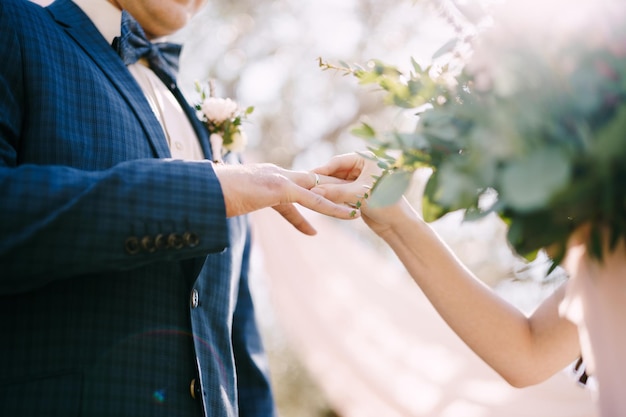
390,188
446,48
413,140
431,210
456,189
609,141
529,183
364,131
416,67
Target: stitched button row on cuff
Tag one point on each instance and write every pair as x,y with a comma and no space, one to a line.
134,245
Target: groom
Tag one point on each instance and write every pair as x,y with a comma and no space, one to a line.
123,250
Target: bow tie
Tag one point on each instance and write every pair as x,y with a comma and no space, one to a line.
133,45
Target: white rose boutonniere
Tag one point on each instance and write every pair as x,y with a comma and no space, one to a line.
223,118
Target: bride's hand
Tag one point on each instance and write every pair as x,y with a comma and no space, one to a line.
360,174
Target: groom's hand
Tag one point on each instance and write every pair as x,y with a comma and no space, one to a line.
247,188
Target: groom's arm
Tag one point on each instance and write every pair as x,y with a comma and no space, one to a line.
58,222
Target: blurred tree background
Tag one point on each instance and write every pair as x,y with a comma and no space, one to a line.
265,54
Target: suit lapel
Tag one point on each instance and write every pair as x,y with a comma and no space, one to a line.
85,34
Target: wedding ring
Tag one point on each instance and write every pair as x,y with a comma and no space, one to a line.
317,179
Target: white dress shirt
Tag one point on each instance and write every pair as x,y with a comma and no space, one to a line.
181,138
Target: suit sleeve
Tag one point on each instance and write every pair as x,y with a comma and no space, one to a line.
58,222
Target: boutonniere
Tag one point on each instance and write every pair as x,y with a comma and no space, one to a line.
223,118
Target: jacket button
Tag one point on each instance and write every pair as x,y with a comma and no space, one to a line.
194,298
160,241
131,245
191,239
175,241
147,243
194,389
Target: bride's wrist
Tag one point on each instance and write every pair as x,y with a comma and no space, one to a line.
398,218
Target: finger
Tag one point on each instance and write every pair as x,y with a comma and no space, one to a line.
326,179
346,166
304,179
308,179
316,202
293,216
341,194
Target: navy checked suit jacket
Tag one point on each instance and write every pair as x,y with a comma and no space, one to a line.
123,287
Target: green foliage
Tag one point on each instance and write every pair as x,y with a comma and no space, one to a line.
535,117
389,188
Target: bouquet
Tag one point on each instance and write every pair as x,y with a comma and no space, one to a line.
527,121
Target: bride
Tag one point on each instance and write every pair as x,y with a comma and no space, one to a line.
582,318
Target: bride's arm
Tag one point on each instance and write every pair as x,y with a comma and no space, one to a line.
524,350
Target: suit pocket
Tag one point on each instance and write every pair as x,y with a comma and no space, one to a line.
43,396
